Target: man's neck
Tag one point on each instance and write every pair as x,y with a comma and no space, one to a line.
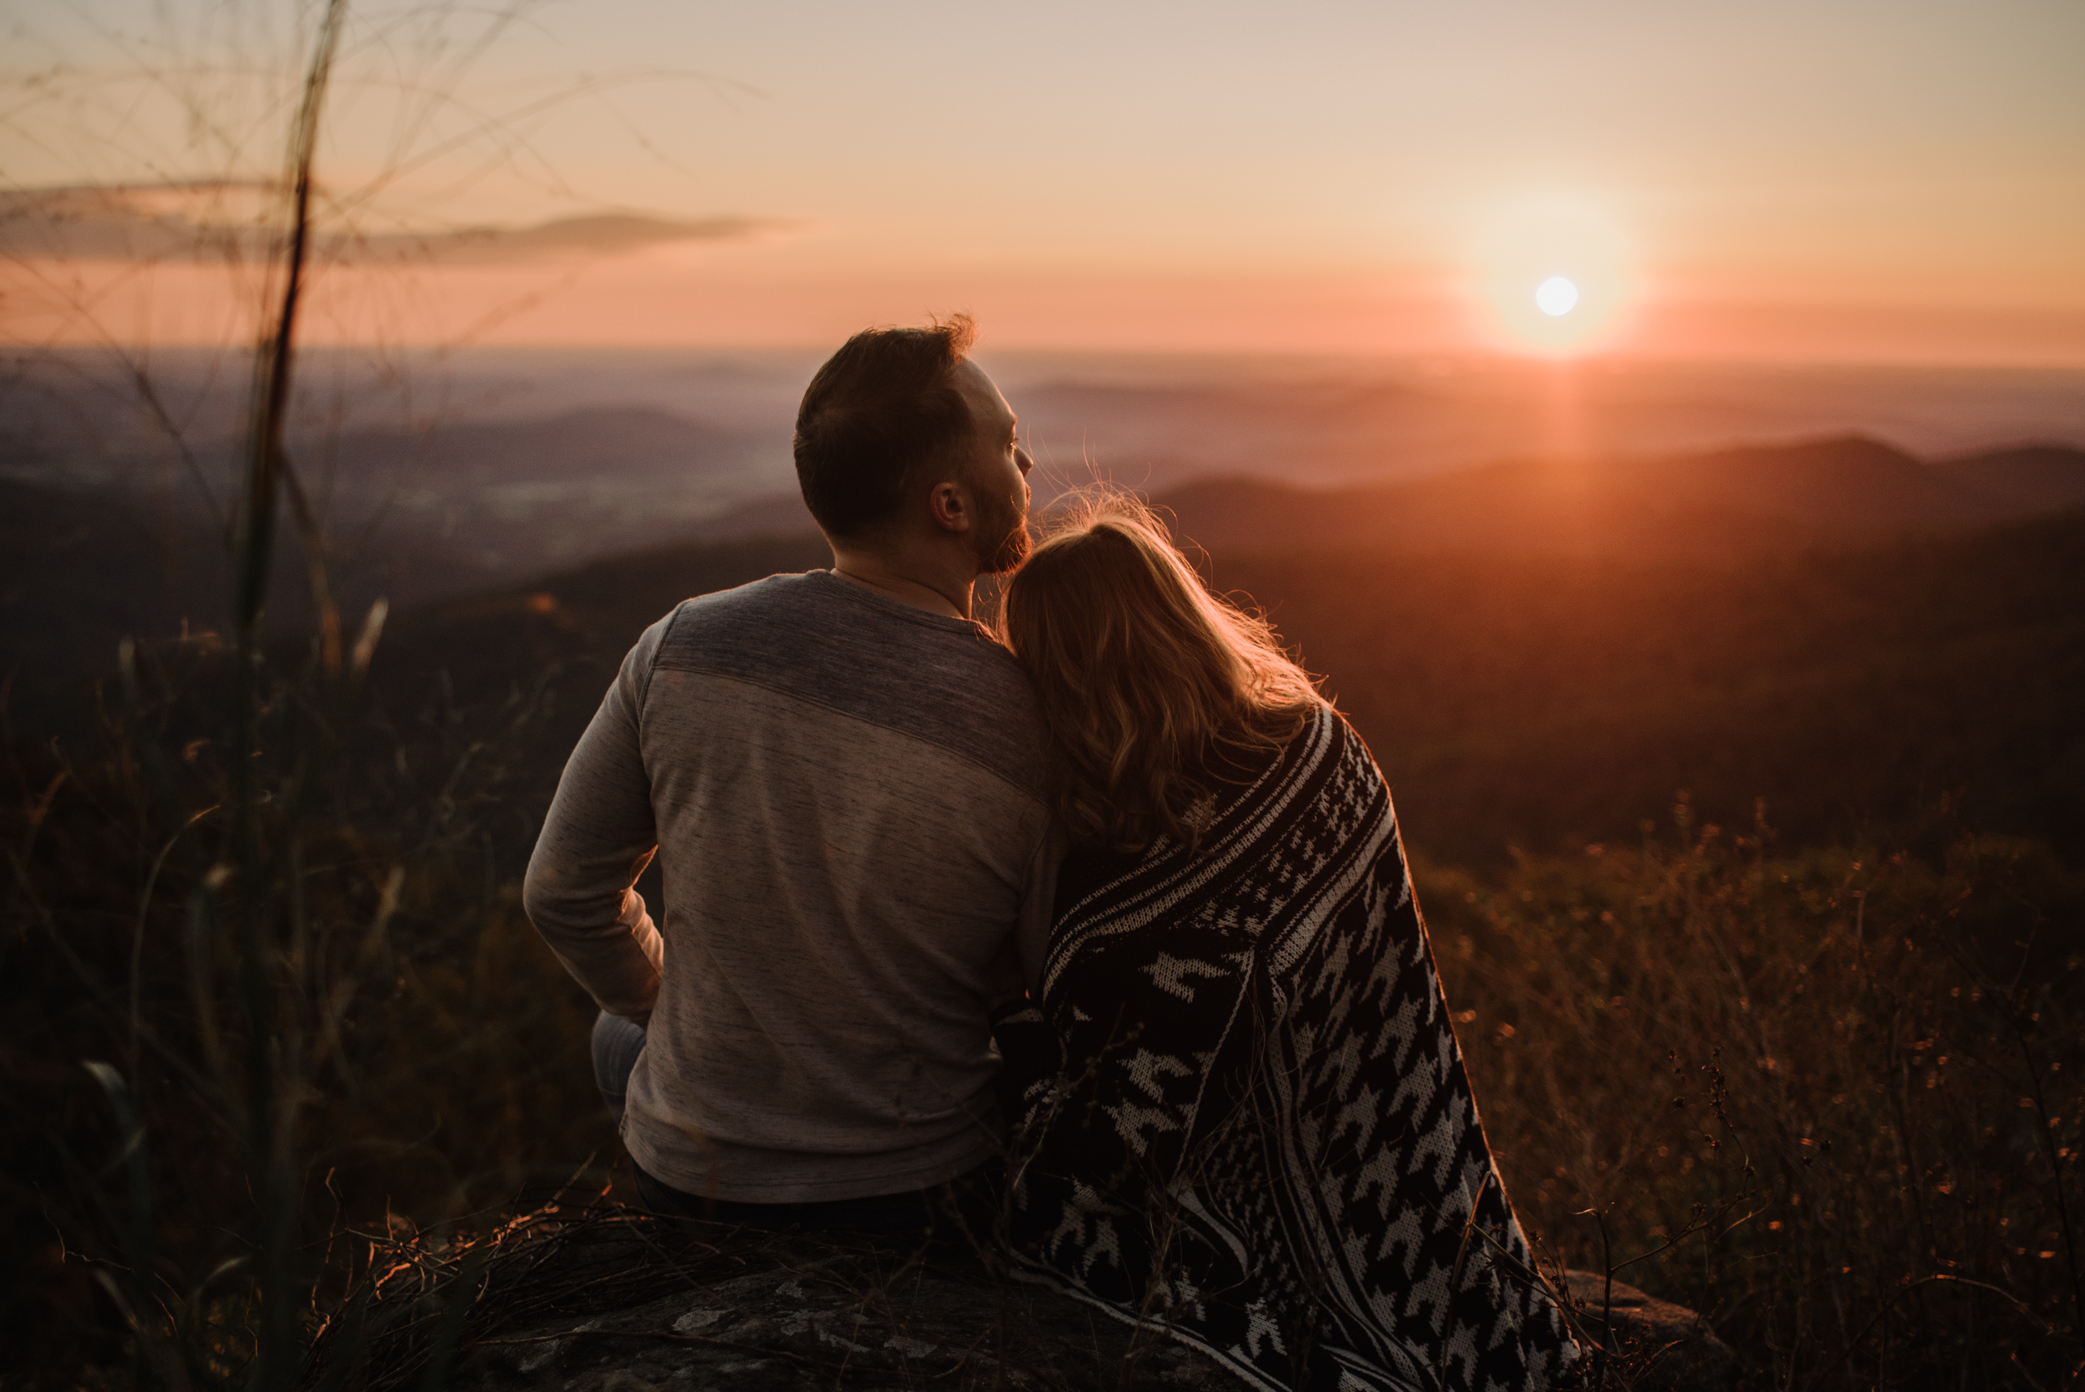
915,584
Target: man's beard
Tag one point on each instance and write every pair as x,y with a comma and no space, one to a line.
1002,535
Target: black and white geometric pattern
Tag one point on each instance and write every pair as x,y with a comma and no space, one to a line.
1242,1112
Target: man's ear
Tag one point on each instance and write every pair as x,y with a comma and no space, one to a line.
950,504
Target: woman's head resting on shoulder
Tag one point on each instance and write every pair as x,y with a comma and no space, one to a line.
1147,679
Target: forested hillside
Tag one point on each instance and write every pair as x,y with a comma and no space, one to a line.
1875,645
1885,691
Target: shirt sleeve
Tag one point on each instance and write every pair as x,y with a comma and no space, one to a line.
596,841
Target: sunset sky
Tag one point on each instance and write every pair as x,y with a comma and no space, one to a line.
1801,181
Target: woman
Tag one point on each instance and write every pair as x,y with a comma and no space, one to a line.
1241,1109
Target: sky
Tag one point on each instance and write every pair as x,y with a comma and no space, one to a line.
1833,180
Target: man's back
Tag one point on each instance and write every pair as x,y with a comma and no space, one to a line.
846,791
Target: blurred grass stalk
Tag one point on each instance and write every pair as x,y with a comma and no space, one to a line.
258,895
265,876
202,912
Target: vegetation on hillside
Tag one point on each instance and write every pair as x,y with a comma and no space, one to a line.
1830,1098
1893,695
1888,695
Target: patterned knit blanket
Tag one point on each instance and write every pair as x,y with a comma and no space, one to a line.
1242,1111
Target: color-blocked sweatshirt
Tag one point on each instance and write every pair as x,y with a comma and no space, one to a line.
846,793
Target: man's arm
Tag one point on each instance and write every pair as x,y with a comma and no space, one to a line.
597,839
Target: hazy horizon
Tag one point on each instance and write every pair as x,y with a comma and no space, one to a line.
1311,419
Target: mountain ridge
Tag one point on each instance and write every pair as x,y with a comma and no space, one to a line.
1842,489
1877,693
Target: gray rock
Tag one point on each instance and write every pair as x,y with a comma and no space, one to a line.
613,1301
849,1319
1650,1345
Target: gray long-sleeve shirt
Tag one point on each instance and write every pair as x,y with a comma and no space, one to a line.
846,796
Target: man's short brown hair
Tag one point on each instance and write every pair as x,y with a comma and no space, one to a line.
881,408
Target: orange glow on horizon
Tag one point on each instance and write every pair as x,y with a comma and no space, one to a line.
775,297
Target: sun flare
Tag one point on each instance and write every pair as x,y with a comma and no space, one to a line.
1552,276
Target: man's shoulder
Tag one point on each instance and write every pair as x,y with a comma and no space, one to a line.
816,622
819,639
718,615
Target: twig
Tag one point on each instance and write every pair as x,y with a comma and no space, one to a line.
2047,1132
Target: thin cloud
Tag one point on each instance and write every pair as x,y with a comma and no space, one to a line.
214,220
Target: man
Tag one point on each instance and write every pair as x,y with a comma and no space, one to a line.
842,773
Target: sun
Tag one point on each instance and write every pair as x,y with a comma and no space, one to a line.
1556,297
1551,276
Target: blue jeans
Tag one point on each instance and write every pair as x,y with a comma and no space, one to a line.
617,1043
961,1206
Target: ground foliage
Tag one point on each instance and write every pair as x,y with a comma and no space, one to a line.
424,1057
1830,1098
1832,1101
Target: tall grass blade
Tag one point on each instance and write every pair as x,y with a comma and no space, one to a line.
155,1363
270,1096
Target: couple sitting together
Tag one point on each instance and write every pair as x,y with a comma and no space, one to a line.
1094,935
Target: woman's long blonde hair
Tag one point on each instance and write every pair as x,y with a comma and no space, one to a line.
1146,678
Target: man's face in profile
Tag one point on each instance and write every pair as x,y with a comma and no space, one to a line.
995,469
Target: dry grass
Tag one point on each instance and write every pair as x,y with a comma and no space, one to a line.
1831,1100
426,1060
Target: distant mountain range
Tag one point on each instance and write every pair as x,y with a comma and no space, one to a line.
1817,493
1537,653
417,516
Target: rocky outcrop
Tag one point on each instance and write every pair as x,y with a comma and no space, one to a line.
620,1302
844,1319
1651,1345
